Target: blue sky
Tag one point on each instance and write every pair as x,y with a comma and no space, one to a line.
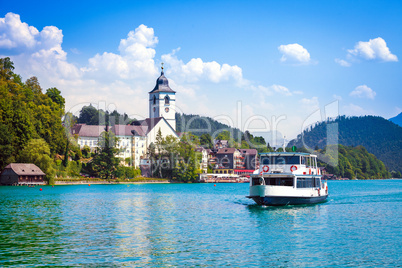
258,65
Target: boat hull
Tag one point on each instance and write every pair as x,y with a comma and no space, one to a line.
287,200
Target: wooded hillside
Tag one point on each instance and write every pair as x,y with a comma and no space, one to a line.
192,123
378,135
28,114
356,162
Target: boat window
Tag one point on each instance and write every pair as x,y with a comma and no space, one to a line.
305,182
265,160
274,181
280,160
279,181
291,160
317,182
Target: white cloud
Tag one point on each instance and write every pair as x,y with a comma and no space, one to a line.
343,63
15,34
311,104
336,97
374,49
363,91
354,110
196,70
294,53
271,90
142,36
281,90
136,58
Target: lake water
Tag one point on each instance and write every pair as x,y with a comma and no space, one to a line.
199,225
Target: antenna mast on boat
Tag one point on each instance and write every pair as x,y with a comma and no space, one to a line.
284,144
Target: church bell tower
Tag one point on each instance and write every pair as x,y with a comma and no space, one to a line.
162,101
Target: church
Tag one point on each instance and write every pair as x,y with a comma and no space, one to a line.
134,139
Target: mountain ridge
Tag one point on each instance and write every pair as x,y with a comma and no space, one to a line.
378,135
397,119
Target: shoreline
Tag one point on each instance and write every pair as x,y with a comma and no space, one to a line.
107,182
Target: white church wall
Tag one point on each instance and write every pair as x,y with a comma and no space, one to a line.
165,129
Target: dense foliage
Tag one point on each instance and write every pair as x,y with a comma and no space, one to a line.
105,161
26,113
378,135
92,116
199,125
354,162
208,129
175,159
248,141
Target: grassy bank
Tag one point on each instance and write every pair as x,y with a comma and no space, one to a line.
83,180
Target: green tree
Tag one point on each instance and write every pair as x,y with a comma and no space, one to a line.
89,115
206,141
86,151
6,148
37,151
6,68
244,145
55,95
105,161
65,160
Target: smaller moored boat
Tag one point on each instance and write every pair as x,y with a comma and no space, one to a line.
287,179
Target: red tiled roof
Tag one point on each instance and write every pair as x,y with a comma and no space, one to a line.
248,151
226,151
140,128
127,130
89,130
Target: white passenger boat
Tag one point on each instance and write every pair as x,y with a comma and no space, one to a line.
287,179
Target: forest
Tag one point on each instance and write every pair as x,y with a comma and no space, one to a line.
379,136
31,129
353,163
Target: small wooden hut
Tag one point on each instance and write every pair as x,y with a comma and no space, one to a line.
21,174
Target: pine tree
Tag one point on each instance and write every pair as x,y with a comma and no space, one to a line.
105,161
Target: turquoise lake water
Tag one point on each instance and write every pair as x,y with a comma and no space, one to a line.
153,225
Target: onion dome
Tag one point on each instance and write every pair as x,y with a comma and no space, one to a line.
162,84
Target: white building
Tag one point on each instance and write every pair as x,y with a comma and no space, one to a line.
134,139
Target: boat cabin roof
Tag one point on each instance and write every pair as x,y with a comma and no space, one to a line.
287,154
287,158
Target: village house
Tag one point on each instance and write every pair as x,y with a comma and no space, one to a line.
219,144
22,174
249,157
227,160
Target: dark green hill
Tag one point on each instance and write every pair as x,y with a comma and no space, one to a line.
199,125
356,162
397,119
378,135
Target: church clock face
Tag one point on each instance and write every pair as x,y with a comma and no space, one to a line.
154,109
167,109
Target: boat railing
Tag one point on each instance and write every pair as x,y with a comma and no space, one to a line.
289,168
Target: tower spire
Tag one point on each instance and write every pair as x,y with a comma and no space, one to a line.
162,66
